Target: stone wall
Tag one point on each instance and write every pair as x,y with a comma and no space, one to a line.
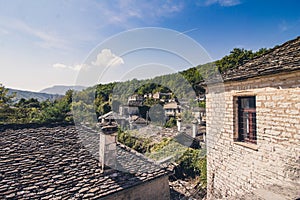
155,189
272,166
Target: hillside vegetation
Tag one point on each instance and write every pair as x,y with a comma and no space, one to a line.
33,111
103,98
40,96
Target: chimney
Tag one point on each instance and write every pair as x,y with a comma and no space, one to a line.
195,122
108,146
178,124
130,124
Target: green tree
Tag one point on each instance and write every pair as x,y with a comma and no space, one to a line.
5,99
6,112
30,103
170,123
238,57
59,110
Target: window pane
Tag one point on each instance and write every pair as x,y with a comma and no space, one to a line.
247,102
247,119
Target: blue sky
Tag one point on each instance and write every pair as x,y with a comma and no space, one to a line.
44,43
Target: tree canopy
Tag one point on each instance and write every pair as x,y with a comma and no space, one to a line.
237,57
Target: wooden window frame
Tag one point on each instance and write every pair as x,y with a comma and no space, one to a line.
240,136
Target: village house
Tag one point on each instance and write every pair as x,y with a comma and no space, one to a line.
171,109
161,96
113,117
135,100
199,114
64,162
253,128
126,110
137,122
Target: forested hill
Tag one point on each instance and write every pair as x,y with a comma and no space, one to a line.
184,84
40,96
181,83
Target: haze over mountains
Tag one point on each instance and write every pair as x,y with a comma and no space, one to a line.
36,95
50,93
61,89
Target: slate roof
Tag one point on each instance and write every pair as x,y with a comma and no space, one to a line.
51,162
283,58
138,120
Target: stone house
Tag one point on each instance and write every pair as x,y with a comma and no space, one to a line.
164,97
60,162
253,128
126,110
199,114
135,100
171,109
137,122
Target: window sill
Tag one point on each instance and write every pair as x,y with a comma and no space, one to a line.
247,145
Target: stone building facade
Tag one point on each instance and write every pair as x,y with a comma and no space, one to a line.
253,128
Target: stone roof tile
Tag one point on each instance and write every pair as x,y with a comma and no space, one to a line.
282,58
52,163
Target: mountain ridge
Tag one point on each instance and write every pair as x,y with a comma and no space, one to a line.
61,89
40,96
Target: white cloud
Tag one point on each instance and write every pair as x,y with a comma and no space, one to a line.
107,58
43,39
63,66
225,3
128,12
59,65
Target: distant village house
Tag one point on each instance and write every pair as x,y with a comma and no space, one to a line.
164,97
171,109
135,100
